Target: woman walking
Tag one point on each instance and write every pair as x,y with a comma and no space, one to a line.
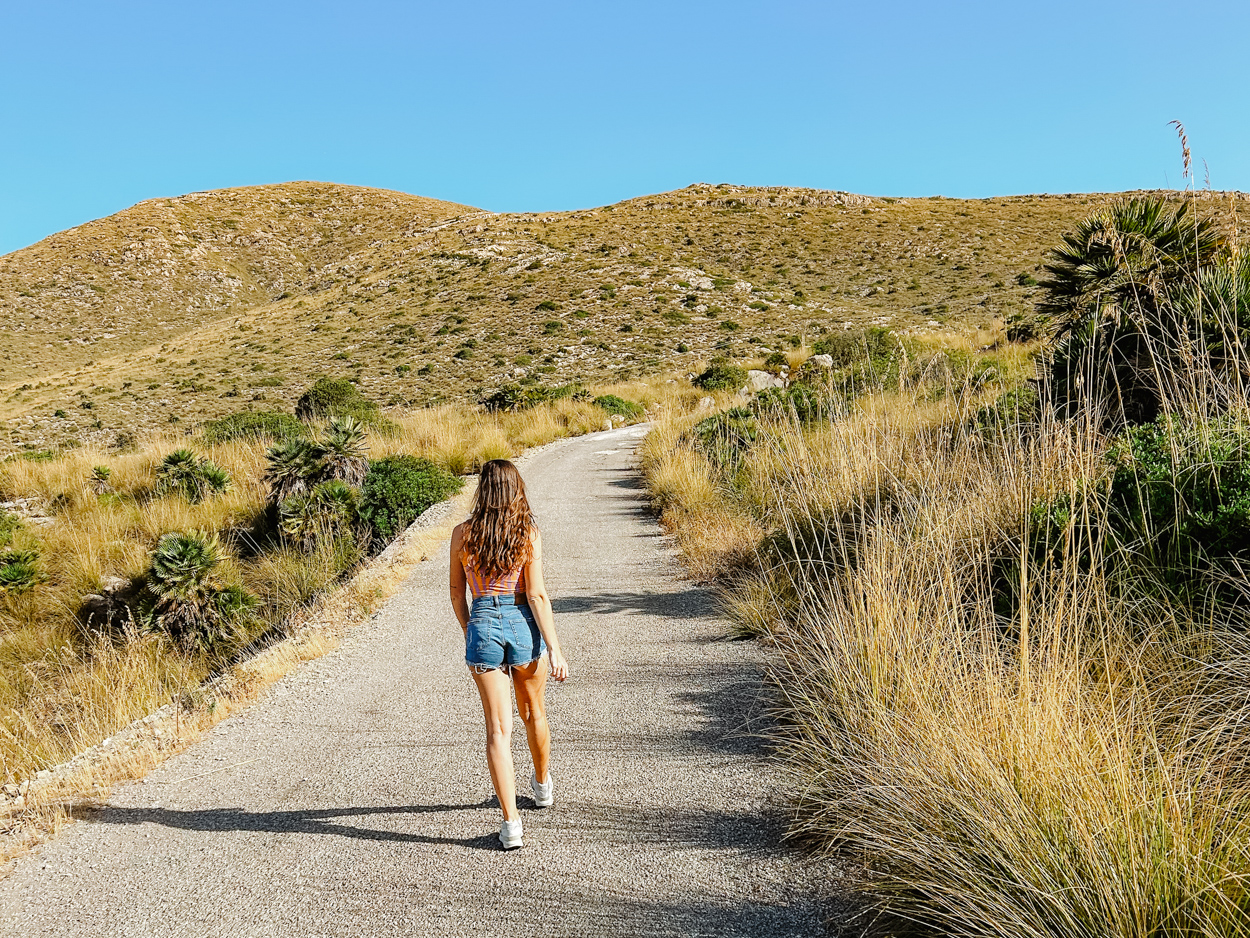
498,554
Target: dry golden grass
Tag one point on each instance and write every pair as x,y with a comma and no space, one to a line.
1077,771
62,690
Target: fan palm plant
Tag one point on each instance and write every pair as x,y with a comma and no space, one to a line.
190,605
185,474
1111,295
327,511
292,468
99,479
343,451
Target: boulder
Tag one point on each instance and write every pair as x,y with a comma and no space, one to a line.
824,361
759,380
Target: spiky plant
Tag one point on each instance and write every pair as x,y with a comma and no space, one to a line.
190,605
99,479
327,511
19,571
292,468
185,474
1123,341
1121,261
344,450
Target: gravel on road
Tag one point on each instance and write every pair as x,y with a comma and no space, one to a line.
354,798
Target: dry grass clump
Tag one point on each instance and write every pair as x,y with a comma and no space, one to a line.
64,687
1075,766
715,535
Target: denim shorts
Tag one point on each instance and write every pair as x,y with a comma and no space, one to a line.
501,633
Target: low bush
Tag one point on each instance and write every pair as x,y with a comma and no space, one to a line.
194,478
619,407
721,375
1179,498
337,397
724,438
874,347
254,424
798,402
19,570
517,397
1016,408
397,490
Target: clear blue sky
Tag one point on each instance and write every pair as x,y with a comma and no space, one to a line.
549,105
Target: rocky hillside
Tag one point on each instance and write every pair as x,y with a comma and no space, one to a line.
177,310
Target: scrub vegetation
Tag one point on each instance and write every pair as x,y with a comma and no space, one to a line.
182,310
127,580
1008,610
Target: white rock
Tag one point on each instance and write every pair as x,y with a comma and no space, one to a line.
607,424
759,380
824,361
706,403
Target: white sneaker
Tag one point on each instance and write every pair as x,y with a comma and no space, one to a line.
543,796
510,834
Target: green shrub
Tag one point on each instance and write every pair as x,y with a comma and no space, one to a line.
254,424
1013,409
776,362
1023,327
517,397
1171,519
726,437
398,489
798,402
1180,494
1026,279
19,571
874,347
336,397
721,375
194,478
618,406
188,603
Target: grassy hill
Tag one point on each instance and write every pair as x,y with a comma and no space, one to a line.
178,310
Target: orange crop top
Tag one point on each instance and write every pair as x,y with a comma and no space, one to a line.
506,584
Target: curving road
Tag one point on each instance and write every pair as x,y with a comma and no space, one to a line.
354,799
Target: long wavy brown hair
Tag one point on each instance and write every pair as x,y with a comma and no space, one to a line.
497,534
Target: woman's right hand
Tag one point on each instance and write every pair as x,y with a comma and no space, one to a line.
559,667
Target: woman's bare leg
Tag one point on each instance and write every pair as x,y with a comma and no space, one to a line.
497,706
531,688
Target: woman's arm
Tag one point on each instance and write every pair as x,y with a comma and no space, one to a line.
458,583
540,604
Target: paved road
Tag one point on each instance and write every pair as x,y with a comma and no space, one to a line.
364,807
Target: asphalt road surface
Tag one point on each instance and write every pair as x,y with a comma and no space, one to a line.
354,798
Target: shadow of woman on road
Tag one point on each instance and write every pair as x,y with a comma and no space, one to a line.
310,821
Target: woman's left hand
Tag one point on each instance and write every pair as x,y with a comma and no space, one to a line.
559,667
